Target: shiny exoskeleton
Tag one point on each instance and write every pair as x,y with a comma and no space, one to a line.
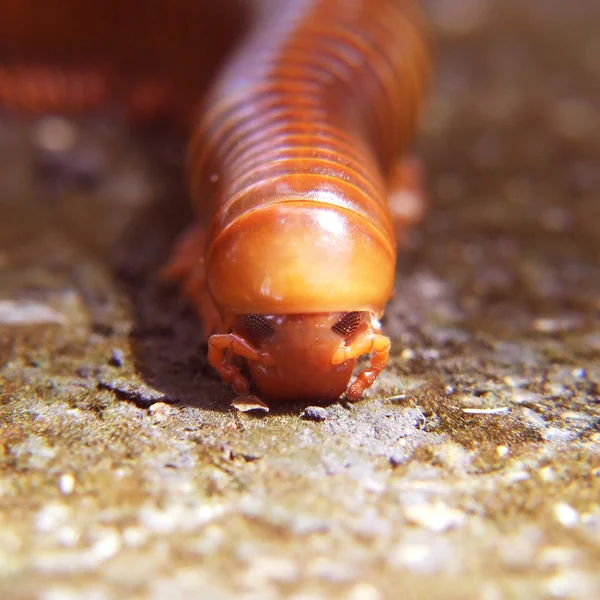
296,151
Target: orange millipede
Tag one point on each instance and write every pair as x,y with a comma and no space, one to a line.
296,261
291,163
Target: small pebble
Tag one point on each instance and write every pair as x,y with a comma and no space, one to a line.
547,474
516,381
134,537
557,435
364,591
408,354
249,403
502,451
398,457
566,515
524,397
143,395
160,411
117,358
517,476
66,483
415,556
549,325
435,517
107,544
315,413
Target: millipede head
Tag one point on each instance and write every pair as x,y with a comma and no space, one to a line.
302,348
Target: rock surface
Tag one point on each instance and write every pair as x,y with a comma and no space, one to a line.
472,468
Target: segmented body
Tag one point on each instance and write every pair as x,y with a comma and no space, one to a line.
294,257
312,110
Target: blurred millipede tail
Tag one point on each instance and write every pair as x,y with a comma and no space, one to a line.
33,90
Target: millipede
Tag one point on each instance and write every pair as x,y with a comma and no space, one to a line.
299,169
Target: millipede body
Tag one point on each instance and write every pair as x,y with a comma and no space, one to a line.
295,153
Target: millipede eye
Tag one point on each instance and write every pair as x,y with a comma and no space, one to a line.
257,327
348,324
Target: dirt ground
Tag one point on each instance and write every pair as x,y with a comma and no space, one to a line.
472,467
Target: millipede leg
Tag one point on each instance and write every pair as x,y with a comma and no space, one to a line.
366,343
406,194
187,265
219,344
187,255
194,288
